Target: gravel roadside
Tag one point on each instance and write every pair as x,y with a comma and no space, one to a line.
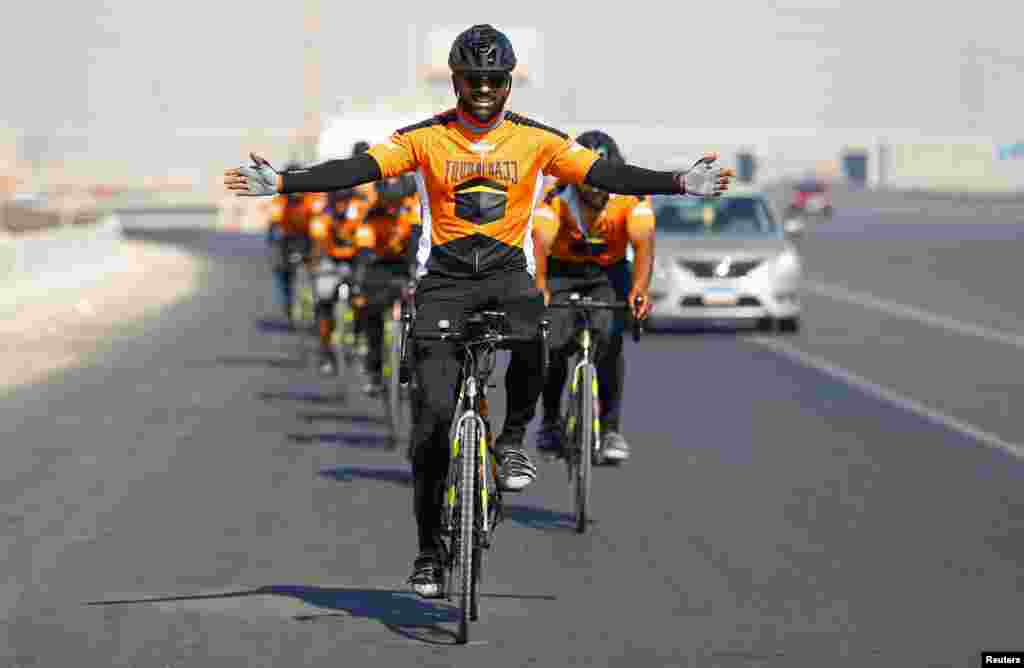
61,331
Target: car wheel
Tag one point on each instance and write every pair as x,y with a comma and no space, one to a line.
765,325
789,325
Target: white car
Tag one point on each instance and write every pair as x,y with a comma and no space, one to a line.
724,259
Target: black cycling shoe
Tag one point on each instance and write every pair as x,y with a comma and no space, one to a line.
549,439
515,470
427,577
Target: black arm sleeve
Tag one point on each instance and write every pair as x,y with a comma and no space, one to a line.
332,175
631,180
412,247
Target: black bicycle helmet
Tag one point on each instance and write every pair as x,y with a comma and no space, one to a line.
482,48
603,145
360,147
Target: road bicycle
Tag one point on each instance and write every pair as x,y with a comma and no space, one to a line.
581,423
472,504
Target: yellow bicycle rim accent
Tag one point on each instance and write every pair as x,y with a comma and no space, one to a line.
483,476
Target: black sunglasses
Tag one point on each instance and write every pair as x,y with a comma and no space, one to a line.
493,79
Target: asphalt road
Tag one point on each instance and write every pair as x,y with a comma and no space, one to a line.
848,496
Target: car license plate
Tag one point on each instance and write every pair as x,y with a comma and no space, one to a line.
720,297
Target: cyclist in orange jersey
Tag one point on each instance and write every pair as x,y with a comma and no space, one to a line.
334,234
385,264
288,236
479,171
581,236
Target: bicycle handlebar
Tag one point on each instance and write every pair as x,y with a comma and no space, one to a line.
583,303
466,339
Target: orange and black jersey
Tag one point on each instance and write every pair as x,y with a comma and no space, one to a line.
293,213
559,218
335,229
390,229
478,188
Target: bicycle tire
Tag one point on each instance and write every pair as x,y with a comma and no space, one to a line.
587,393
344,325
466,535
474,596
570,428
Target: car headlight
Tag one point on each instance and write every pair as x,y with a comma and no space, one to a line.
661,272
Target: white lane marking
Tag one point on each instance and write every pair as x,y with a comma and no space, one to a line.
891,396
1007,214
913,313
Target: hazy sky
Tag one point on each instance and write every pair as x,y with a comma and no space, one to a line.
130,73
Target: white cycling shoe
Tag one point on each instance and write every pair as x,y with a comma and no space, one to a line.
614,447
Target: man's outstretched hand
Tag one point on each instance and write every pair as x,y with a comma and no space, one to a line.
704,180
256,180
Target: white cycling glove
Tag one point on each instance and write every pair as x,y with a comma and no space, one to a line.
703,180
260,176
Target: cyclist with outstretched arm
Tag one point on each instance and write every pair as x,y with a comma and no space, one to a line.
479,171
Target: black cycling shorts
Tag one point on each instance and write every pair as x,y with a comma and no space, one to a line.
589,280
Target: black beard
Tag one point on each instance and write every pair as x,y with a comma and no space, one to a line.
468,109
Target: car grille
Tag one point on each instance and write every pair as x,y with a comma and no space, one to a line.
696,301
706,269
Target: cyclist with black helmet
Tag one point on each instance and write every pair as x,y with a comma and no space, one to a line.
479,170
581,235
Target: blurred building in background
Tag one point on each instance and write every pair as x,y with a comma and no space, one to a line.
162,130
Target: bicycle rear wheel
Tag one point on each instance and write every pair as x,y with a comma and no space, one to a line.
586,392
466,535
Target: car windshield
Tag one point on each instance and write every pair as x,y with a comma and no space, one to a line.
727,217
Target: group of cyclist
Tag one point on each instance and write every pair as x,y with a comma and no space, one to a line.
492,236
362,236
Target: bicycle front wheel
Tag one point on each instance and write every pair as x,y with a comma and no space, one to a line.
345,331
466,536
586,395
